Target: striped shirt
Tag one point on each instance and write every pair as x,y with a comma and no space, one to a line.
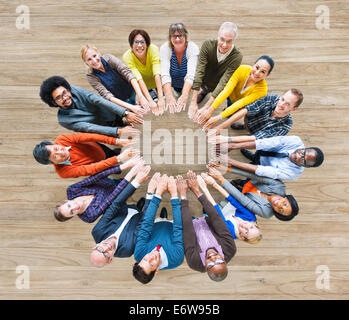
177,72
259,122
104,189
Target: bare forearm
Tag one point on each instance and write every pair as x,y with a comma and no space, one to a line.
235,117
145,90
242,145
221,190
136,87
158,85
186,88
168,89
243,166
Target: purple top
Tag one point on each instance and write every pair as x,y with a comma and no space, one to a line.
205,238
104,189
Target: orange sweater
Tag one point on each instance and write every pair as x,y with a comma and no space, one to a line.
86,156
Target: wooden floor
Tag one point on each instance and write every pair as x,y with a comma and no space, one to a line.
285,264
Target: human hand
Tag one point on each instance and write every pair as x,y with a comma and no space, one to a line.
142,174
215,173
123,143
210,123
131,162
172,186
204,114
161,105
134,118
162,185
182,102
154,107
193,109
182,186
134,170
193,183
153,182
136,109
202,183
127,153
171,103
208,179
144,103
217,139
128,131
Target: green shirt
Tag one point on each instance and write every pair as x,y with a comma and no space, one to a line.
210,72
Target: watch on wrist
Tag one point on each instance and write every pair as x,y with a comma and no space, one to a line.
126,112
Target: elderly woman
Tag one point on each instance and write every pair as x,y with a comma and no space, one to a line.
246,85
113,80
144,61
178,58
241,222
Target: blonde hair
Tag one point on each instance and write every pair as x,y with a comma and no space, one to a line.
84,50
255,239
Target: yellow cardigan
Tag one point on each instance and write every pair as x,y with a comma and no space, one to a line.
147,71
240,98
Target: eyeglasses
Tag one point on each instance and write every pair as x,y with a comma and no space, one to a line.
139,42
179,36
65,93
101,250
213,263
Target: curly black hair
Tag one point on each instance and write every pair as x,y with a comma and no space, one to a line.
49,85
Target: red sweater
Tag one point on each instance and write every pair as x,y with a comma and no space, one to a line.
86,156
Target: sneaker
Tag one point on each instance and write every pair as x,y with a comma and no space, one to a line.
237,126
163,213
201,96
248,154
140,204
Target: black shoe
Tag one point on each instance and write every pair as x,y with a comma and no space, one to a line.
237,126
140,204
117,151
237,184
201,96
248,154
163,213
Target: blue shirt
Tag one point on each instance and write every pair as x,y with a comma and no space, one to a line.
279,168
114,82
177,72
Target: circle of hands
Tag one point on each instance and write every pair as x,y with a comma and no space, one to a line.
159,184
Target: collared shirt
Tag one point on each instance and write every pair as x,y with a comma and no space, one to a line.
222,56
259,120
130,213
279,168
164,260
104,190
66,161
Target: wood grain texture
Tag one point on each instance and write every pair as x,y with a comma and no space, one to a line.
283,265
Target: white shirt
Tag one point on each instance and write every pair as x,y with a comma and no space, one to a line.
222,56
279,168
192,55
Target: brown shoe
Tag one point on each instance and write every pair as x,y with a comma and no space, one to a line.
237,126
202,94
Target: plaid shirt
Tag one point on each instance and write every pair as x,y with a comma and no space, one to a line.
104,189
259,122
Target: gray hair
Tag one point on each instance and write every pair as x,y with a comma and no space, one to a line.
229,26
